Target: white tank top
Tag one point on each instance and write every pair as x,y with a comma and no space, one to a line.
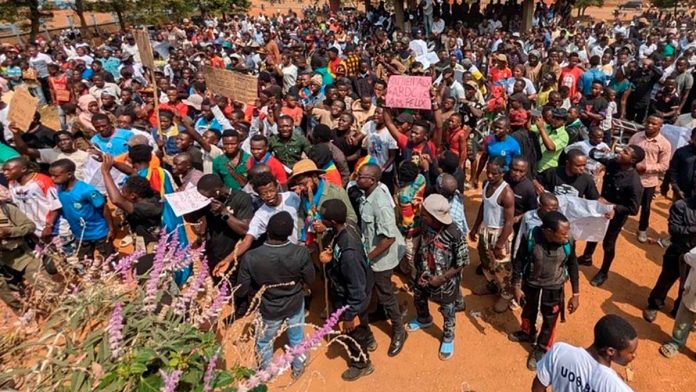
493,213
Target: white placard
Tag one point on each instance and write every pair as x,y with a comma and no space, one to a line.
186,201
587,221
677,136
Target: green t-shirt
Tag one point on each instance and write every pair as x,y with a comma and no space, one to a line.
7,153
549,159
222,168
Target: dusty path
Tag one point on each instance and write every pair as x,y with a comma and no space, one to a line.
486,361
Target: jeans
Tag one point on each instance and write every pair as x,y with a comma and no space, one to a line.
644,222
671,272
608,243
448,310
428,23
385,294
682,325
38,93
295,331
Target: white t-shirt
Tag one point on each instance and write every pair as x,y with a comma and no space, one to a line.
572,369
290,202
378,143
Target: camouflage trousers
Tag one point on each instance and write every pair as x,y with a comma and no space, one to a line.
10,260
496,270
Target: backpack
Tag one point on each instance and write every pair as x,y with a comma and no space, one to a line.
530,246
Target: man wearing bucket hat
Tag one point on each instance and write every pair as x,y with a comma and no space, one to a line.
314,190
442,254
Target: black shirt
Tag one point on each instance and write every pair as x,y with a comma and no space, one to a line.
349,274
557,181
221,239
270,265
146,219
682,225
682,168
525,195
620,187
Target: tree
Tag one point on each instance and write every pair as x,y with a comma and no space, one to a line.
215,7
23,10
118,7
582,5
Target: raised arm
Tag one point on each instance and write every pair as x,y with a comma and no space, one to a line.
111,189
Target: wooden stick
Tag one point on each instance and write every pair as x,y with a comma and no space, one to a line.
313,211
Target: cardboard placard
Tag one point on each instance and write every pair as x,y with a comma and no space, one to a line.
410,92
240,87
142,39
22,108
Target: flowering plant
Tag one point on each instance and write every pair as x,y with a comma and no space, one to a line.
111,328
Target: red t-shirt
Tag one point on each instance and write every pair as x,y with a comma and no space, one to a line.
277,168
402,142
570,77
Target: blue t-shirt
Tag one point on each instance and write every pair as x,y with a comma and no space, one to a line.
507,149
114,145
83,207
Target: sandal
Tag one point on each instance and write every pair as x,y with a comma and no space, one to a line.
669,350
414,325
446,350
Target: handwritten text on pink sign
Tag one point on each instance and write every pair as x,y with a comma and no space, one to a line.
412,92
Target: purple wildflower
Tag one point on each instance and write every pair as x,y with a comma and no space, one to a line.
125,264
115,330
152,283
170,380
216,306
193,289
210,372
282,362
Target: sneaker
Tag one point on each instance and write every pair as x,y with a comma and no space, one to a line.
353,373
599,279
501,305
649,315
642,236
520,337
487,288
534,357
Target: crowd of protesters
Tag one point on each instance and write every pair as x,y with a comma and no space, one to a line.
318,170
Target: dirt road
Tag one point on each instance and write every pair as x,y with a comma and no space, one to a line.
485,361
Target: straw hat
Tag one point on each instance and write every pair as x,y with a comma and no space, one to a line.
304,166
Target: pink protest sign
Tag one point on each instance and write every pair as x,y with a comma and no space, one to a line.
411,92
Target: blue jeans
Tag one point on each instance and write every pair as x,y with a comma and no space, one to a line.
264,341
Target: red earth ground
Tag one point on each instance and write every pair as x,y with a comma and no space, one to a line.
485,360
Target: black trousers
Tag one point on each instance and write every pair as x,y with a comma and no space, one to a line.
550,303
609,242
672,270
387,298
357,347
46,88
636,112
645,203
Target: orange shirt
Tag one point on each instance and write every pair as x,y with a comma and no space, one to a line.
295,113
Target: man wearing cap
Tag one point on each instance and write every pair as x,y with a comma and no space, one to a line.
501,71
283,268
442,254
